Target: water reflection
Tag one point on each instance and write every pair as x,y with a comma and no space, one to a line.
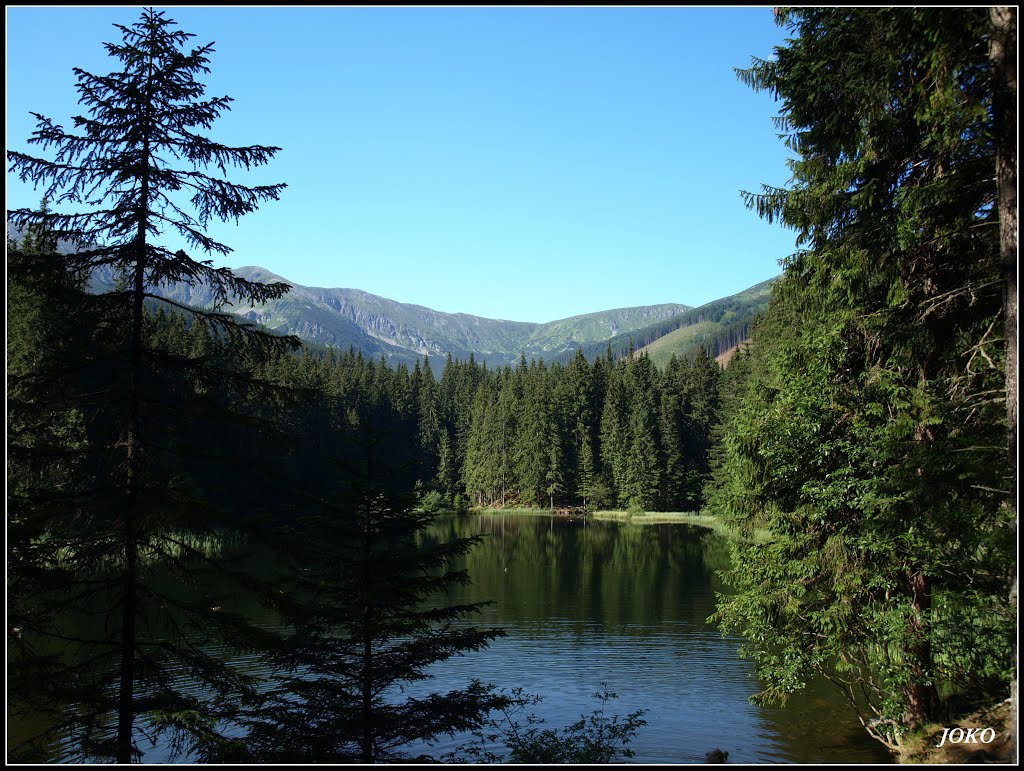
627,606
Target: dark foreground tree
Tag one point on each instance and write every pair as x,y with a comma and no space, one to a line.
128,185
869,440
362,596
366,618
46,433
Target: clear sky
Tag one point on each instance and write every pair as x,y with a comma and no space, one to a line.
518,163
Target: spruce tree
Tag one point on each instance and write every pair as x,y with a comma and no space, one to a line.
866,440
425,395
614,431
672,427
700,383
134,171
576,405
361,598
363,603
533,434
641,482
488,469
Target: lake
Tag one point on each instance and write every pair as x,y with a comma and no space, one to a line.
596,605
627,606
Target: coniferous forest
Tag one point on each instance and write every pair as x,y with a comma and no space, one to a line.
861,444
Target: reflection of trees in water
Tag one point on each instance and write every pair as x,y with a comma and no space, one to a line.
649,584
625,575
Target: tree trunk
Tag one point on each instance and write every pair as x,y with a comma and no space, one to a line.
133,481
1003,51
126,687
366,695
923,698
1003,56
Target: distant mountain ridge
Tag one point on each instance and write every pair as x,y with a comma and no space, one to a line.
403,332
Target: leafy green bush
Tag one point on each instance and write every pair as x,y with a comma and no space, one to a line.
432,501
635,509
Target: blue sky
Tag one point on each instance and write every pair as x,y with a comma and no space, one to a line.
518,163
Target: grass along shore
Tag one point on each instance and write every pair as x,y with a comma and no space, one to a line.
709,521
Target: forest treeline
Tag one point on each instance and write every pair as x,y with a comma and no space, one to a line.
607,433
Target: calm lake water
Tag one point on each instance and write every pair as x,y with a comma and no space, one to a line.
624,607
627,606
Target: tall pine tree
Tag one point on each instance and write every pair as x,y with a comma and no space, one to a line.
868,435
131,176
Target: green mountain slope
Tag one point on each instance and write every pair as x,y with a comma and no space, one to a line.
717,325
726,324
402,332
681,341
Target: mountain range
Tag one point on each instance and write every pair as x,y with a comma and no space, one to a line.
402,332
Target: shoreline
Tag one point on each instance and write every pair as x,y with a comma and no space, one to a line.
707,521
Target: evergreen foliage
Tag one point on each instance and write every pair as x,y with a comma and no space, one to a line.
865,430
594,738
363,605
600,435
126,526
